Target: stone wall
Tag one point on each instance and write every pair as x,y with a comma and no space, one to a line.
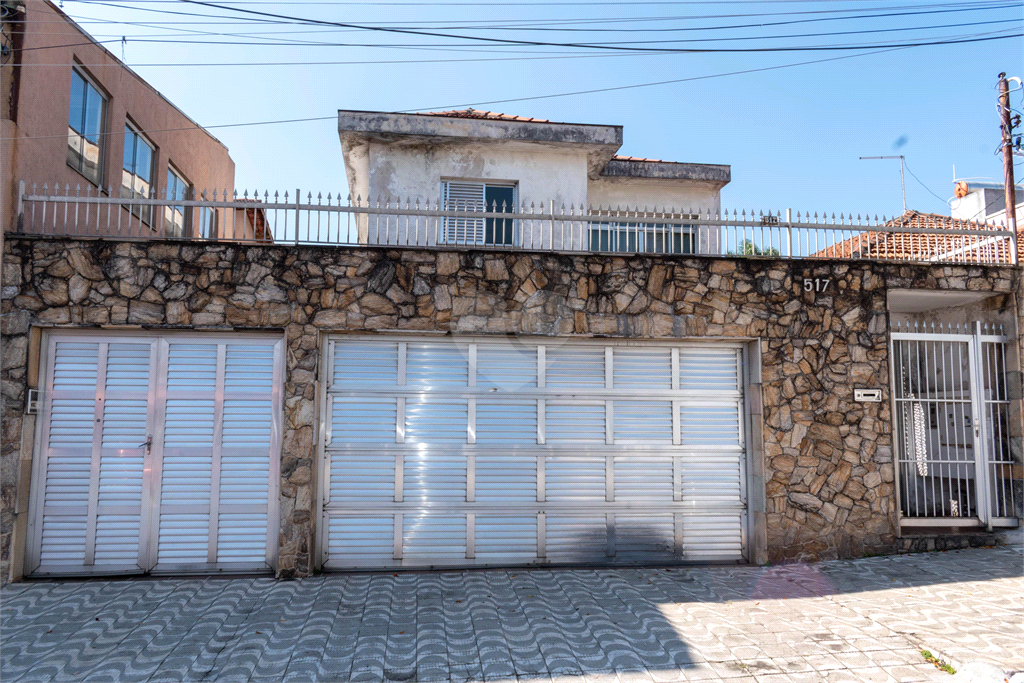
828,461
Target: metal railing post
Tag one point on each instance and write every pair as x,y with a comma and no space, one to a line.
296,216
789,231
19,224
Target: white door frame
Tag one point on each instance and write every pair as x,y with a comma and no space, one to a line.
982,441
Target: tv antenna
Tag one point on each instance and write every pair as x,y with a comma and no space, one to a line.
903,181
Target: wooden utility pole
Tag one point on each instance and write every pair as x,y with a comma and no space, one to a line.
1007,143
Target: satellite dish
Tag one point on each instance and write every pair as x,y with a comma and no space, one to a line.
960,190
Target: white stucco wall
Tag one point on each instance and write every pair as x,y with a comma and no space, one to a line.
545,175
414,172
661,195
655,193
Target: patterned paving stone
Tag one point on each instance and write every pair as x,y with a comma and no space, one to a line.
860,620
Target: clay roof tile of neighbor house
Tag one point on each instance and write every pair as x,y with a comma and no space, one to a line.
477,114
620,157
924,247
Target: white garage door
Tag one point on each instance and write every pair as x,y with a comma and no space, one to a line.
157,454
447,452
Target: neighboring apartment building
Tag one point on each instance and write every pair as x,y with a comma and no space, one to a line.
74,117
409,380
983,201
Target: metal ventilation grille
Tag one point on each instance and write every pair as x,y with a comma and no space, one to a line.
362,478
75,366
641,479
710,425
192,367
435,421
506,422
435,478
506,367
365,363
569,478
642,368
363,420
643,422
574,423
117,539
249,367
242,537
361,540
709,370
501,478
183,538
575,366
128,367
576,538
432,536
640,538
498,537
437,365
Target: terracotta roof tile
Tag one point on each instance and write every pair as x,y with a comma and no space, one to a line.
925,247
620,157
477,114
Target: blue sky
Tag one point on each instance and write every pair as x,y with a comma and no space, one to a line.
792,136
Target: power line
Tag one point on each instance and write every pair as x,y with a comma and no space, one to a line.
519,23
919,182
510,41
510,100
689,40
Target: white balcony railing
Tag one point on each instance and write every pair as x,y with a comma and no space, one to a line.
284,219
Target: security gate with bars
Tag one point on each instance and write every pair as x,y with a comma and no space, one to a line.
448,451
157,454
952,415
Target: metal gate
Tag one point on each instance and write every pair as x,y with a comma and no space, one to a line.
446,451
156,453
952,417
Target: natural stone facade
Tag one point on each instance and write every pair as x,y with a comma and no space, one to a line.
828,461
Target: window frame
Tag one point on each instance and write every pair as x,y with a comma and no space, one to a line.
143,213
487,228
633,237
186,215
104,97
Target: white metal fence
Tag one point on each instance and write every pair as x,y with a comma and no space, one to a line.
334,220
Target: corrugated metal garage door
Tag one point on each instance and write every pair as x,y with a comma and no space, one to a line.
157,454
462,451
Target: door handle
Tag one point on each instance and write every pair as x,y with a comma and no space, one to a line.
148,443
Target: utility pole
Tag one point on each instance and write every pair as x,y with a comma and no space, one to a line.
1007,125
903,180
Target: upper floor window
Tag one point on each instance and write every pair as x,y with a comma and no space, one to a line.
175,216
137,173
649,238
85,128
479,196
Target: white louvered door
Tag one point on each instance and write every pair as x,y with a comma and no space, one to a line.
467,451
157,454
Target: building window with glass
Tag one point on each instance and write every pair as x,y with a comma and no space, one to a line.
642,238
85,128
137,176
484,197
207,226
175,217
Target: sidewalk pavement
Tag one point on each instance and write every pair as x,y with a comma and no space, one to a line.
850,620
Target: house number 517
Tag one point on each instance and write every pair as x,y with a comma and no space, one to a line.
816,284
